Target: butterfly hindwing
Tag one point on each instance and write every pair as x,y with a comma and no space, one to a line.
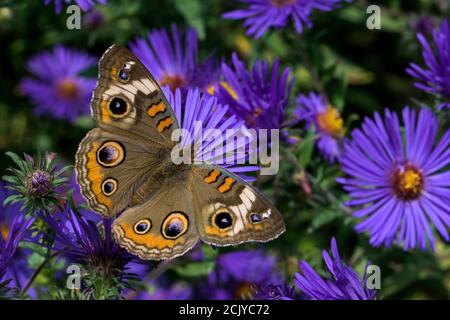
230,211
115,171
161,228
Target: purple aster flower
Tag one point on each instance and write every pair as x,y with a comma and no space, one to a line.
260,15
275,292
17,271
208,76
435,78
258,96
327,122
423,25
342,284
398,178
195,107
85,5
237,275
166,58
13,227
57,89
90,244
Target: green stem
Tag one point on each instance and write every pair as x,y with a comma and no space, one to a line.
39,269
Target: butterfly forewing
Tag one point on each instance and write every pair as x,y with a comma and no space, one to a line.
127,98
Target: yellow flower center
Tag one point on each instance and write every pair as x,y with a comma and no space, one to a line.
67,89
330,121
4,231
408,182
282,3
212,89
244,291
243,44
173,81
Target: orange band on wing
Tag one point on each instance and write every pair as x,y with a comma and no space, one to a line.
114,72
212,176
164,123
214,231
104,109
95,176
226,185
149,240
154,109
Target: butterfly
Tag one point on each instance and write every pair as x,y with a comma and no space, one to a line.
124,165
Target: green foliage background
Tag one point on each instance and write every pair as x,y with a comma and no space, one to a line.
361,70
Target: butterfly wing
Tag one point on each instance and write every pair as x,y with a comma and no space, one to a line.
127,99
135,124
115,171
161,228
229,211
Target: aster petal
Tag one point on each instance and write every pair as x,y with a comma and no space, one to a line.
343,284
440,157
440,219
436,78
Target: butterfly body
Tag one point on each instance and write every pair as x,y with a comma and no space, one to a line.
125,165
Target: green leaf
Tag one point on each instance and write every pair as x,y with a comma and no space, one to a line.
60,181
306,148
35,260
36,248
14,157
197,269
10,179
338,93
12,199
209,253
324,217
84,122
191,10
